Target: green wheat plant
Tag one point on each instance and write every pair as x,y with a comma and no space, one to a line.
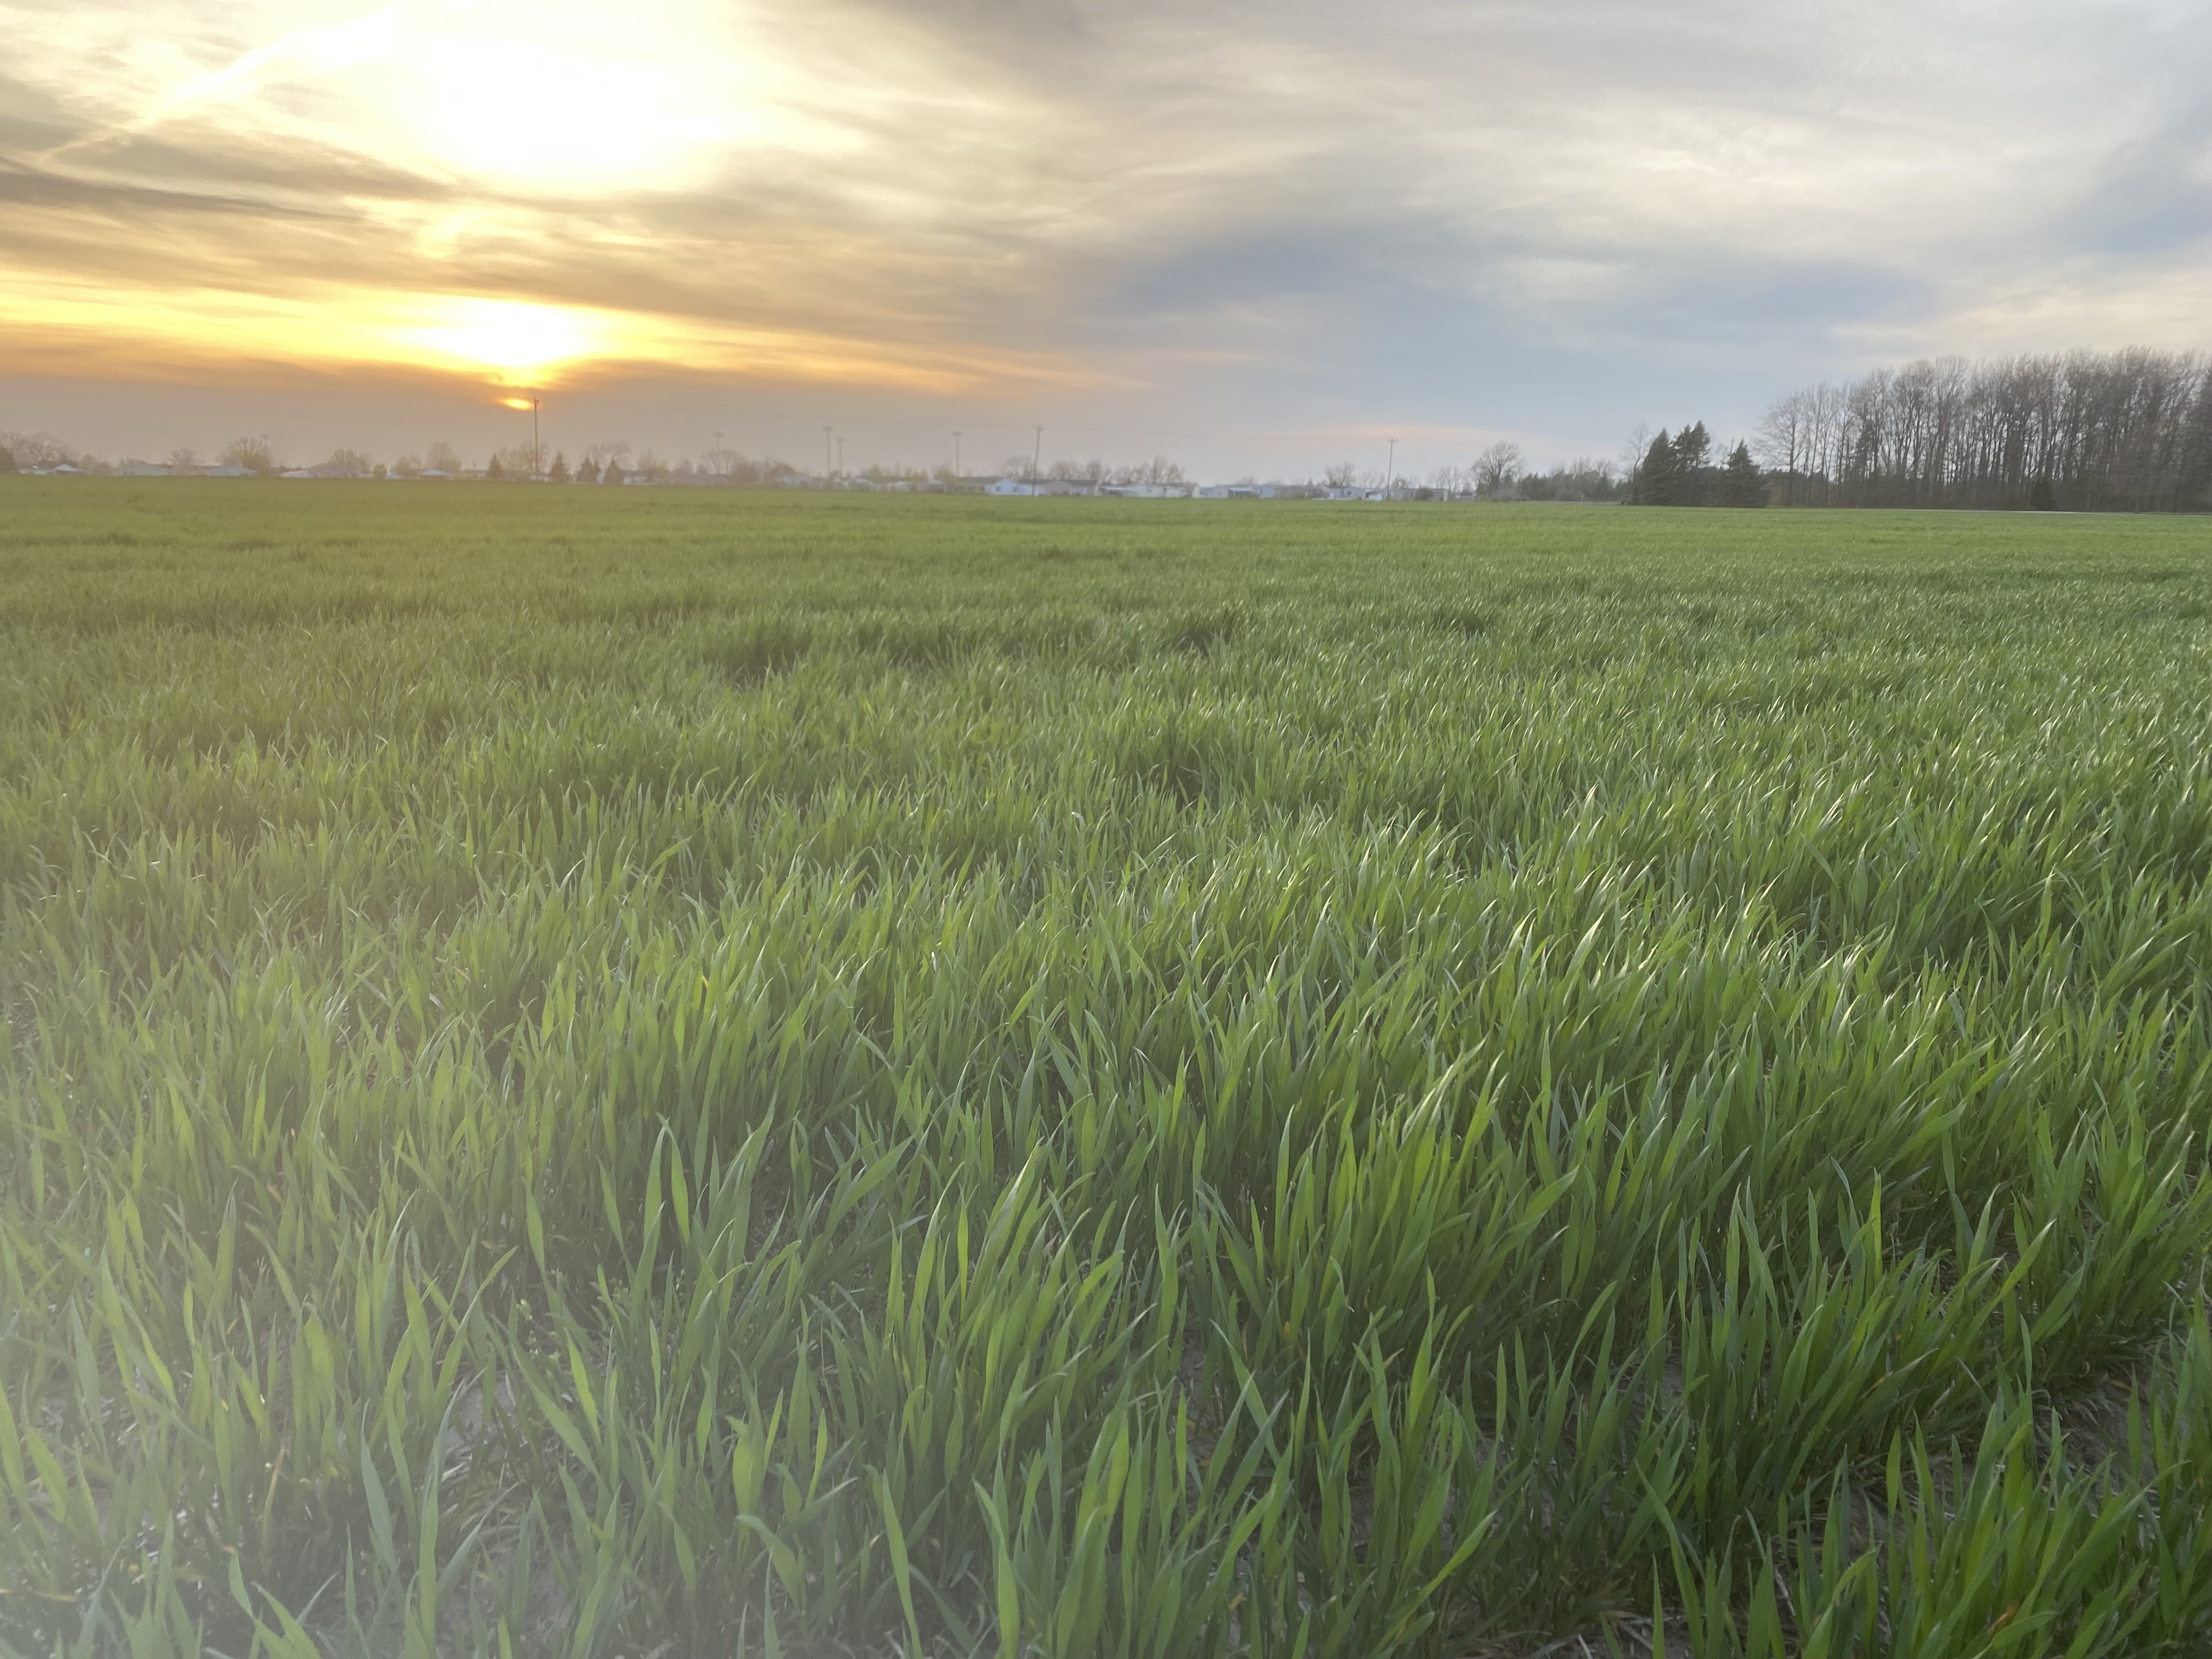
594,1073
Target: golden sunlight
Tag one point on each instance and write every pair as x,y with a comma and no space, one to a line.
496,107
511,338
48,327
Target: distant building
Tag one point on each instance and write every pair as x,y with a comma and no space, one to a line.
436,473
1010,487
141,469
300,472
226,470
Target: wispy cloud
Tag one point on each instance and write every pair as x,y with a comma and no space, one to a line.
1452,211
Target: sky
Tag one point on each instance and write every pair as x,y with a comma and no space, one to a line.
1258,238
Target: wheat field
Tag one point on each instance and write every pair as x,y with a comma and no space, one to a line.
654,1073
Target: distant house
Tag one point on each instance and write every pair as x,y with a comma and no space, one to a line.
1148,492
1229,492
141,469
65,470
226,470
300,472
1343,493
1010,487
437,473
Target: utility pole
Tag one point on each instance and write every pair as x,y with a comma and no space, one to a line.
536,443
1390,471
1036,460
724,472
840,454
956,456
828,467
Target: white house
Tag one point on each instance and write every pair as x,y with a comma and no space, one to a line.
1010,487
141,469
226,470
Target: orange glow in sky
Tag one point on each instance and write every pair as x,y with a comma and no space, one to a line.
489,191
1452,216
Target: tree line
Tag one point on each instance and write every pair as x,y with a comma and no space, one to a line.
2117,431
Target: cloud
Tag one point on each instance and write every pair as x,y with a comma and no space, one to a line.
1444,215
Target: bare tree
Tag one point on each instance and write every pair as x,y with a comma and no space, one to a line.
1496,469
2096,431
38,449
1784,438
253,455
184,460
1633,451
442,458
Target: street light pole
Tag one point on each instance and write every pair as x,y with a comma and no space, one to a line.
828,467
1390,471
1036,460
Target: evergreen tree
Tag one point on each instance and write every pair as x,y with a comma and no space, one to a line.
588,472
1692,465
613,475
6,458
1742,485
1659,480
560,473
1649,485
495,471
